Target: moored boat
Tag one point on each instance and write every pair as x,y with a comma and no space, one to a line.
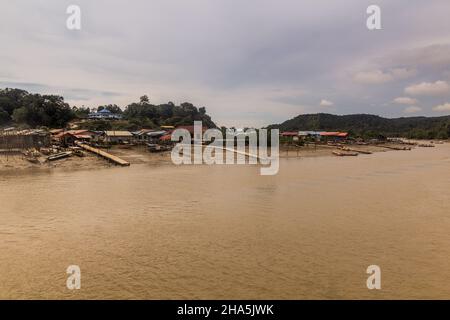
157,148
426,145
60,155
345,154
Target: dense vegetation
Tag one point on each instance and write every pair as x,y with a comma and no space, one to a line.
145,114
18,107
366,125
33,110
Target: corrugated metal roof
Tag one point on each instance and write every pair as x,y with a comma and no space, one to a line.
118,133
156,133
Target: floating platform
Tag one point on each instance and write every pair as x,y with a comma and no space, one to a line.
345,154
356,150
396,148
247,154
103,154
425,145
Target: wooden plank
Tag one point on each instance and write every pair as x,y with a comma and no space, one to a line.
242,153
103,154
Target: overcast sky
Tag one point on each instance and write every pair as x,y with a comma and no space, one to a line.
249,62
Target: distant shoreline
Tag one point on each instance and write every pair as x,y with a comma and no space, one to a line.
137,155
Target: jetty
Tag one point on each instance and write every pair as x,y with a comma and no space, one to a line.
345,154
395,148
247,154
355,150
103,154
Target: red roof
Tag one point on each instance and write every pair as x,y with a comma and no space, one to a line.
56,131
191,128
166,137
80,134
289,134
62,134
333,134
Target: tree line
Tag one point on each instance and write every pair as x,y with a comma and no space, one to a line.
371,126
20,108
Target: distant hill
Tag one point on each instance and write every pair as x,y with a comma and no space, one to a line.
368,125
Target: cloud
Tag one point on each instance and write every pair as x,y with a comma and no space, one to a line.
442,107
326,103
434,55
402,73
405,100
437,88
372,77
379,76
228,55
412,109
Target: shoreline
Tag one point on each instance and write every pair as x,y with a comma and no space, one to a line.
140,155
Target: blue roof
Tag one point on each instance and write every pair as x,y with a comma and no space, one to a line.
104,111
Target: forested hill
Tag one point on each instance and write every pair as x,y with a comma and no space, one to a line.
21,108
367,125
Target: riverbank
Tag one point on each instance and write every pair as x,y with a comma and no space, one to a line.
140,155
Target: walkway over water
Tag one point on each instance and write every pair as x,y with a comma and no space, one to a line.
104,154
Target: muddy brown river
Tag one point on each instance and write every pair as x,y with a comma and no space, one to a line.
226,232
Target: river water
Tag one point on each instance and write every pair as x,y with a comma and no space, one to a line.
225,232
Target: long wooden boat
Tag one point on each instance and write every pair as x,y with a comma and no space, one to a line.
60,155
356,150
345,154
157,147
425,145
397,148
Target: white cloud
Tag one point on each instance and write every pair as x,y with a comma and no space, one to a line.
326,103
405,100
437,88
412,109
379,76
442,107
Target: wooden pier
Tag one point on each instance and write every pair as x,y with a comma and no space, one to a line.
103,154
247,154
355,150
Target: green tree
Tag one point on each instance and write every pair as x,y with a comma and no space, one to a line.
4,116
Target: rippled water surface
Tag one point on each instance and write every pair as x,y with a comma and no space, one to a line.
226,232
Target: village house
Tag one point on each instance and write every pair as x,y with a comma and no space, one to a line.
118,137
104,114
70,136
140,136
314,135
192,131
24,139
148,135
290,135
